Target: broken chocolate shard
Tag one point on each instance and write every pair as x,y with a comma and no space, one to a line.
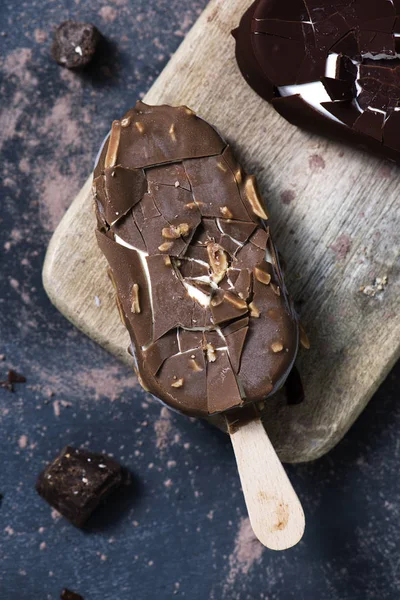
183,250
77,481
191,138
160,350
235,342
75,44
347,51
243,284
122,189
227,306
220,376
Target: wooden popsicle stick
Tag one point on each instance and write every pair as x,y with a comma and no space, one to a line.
275,512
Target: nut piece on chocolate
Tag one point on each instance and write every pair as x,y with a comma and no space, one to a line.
74,44
77,481
331,66
68,595
197,275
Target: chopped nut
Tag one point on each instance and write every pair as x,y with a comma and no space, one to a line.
192,205
167,261
277,347
235,300
172,132
189,111
216,300
378,285
238,175
165,246
173,232
254,312
225,212
262,276
113,144
222,167
218,261
126,122
211,353
139,126
304,341
254,198
194,365
135,306
276,289
178,383
176,184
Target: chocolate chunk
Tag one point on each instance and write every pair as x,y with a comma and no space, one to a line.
187,242
68,595
77,481
348,51
74,44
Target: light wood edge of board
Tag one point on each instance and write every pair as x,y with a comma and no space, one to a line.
275,511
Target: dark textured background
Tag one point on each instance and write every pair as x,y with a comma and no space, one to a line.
181,530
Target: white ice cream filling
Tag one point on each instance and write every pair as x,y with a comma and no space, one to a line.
314,93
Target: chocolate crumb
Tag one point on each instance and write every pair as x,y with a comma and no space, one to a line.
74,44
12,378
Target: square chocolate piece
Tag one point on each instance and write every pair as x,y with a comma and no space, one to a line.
77,481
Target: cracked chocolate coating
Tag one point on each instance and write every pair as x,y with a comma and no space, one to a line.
292,43
199,284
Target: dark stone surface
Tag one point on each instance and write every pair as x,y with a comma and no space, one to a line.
181,529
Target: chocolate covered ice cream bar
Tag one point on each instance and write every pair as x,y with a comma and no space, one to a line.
200,289
198,278
332,67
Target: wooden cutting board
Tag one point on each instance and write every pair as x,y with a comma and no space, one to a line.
335,216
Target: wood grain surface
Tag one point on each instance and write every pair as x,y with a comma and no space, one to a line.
334,214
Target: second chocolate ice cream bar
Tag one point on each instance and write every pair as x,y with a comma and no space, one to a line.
328,66
199,282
